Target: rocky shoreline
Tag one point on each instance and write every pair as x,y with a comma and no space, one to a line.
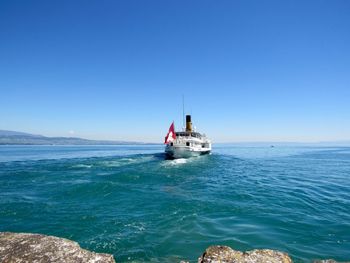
26,247
23,247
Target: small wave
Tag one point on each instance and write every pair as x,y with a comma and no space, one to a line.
76,181
139,227
82,166
126,161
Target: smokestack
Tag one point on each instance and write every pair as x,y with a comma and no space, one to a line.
188,123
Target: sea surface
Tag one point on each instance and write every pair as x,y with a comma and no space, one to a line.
131,202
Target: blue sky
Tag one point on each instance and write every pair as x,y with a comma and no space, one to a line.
249,70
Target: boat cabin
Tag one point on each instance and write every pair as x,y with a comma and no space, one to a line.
189,134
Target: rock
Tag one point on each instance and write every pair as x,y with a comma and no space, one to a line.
21,247
36,248
224,254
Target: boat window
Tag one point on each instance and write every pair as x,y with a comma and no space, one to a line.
187,143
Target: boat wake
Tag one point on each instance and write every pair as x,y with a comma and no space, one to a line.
126,161
179,161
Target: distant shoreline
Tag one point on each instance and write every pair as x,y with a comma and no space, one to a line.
21,138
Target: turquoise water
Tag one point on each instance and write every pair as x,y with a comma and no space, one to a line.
129,201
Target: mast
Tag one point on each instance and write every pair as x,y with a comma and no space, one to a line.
183,110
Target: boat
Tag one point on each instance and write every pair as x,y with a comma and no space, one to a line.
187,143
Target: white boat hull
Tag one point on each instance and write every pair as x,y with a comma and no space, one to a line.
185,151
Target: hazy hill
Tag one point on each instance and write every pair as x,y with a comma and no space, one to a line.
22,138
16,133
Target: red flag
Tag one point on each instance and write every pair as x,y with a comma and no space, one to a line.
171,136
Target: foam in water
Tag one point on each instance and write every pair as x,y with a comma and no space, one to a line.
179,161
118,162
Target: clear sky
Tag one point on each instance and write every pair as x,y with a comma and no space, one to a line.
249,70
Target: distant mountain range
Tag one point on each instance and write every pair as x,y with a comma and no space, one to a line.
22,138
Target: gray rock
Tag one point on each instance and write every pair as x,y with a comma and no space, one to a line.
36,248
21,247
224,254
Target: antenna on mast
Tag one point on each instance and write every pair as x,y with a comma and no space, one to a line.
183,110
